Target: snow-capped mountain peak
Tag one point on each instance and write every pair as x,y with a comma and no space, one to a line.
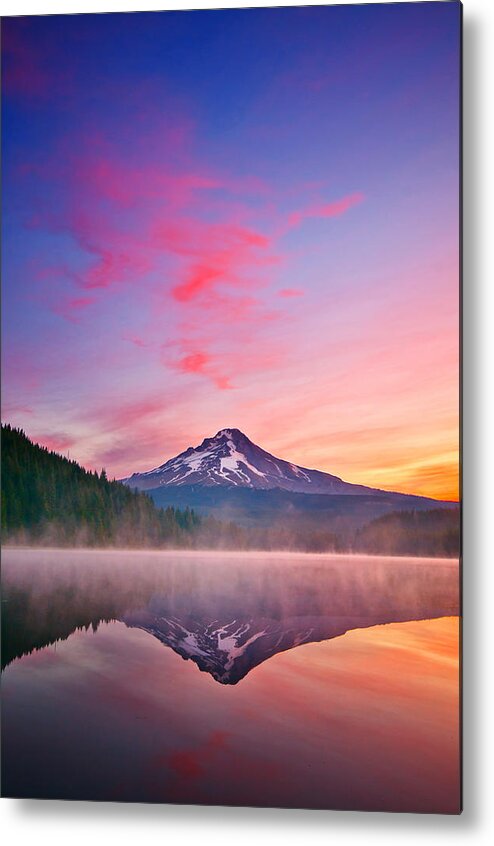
231,459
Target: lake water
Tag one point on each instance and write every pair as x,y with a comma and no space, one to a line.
284,680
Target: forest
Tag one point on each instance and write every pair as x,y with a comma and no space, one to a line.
48,499
420,533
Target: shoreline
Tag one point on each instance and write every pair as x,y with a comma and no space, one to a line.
239,553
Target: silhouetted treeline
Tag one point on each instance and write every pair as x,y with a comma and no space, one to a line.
422,533
48,499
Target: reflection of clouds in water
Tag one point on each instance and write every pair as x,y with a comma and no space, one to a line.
191,763
368,720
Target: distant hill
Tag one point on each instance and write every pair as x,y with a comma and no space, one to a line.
48,499
435,533
251,508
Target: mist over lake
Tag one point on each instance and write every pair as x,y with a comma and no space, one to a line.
275,679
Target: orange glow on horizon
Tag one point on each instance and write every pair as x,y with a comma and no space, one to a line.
435,480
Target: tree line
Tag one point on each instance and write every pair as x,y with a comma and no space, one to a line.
47,498
433,533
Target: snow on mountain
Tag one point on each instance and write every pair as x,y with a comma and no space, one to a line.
230,459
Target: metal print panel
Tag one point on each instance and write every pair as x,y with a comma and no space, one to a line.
230,439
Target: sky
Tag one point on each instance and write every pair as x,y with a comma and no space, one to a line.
236,218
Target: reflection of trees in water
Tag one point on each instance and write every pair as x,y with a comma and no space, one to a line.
47,595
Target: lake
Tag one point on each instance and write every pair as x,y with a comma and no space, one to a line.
286,680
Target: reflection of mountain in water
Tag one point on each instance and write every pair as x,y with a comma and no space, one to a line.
229,650
228,613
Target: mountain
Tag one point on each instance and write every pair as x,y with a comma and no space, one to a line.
280,504
231,460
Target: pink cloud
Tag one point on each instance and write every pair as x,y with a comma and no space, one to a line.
156,418
95,185
227,251
151,227
334,209
290,292
123,415
194,362
204,364
127,187
117,421
55,441
226,370
169,227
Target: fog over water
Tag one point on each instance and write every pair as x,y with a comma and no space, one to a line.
282,658
49,593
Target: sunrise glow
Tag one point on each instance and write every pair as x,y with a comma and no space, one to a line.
236,225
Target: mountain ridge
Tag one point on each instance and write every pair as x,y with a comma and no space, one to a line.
230,459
